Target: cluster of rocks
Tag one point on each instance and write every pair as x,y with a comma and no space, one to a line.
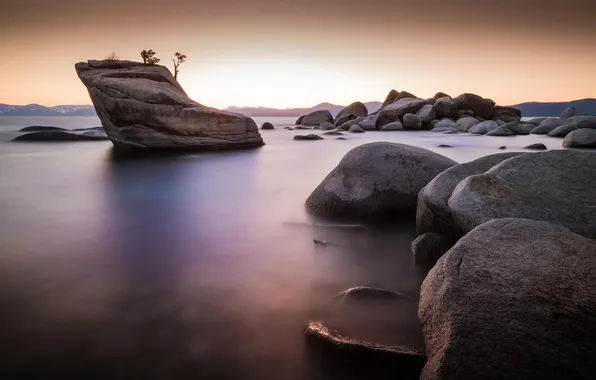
510,238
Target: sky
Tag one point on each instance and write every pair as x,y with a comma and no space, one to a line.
296,53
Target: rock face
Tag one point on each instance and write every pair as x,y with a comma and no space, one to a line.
433,213
513,300
581,138
376,179
429,247
357,109
559,192
481,107
317,117
142,107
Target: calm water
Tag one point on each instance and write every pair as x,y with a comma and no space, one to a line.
192,266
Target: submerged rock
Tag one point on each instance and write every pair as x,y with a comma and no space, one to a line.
376,179
59,135
356,129
333,133
316,118
501,131
562,131
581,138
536,146
267,126
40,128
513,299
142,107
395,126
310,137
365,293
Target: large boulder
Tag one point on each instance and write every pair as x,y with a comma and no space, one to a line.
62,135
356,109
407,105
525,129
440,95
341,120
433,213
501,131
484,127
569,112
583,121
481,107
395,126
326,126
411,121
513,300
426,114
385,117
142,107
391,97
346,126
562,131
445,107
376,179
502,112
315,118
445,123
299,120
536,121
581,138
369,123
547,126
551,186
464,124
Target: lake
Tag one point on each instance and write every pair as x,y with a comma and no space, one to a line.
197,266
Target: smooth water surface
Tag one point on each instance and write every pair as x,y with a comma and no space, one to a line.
198,266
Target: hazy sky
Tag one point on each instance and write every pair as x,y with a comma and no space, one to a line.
299,53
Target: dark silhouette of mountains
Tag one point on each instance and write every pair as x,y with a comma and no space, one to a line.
537,109
529,109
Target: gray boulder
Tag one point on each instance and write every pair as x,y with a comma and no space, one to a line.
547,126
267,126
60,135
513,126
569,112
445,123
309,137
501,131
355,128
446,130
536,121
317,117
346,126
536,146
506,113
333,133
405,95
411,121
341,120
464,124
525,129
391,97
426,114
407,105
464,113
550,186
581,138
512,300
562,131
429,247
433,213
299,120
369,123
484,127
142,107
385,117
481,107
583,121
440,95
395,126
327,126
500,122
376,179
445,107
356,109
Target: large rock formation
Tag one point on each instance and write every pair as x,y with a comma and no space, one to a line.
512,300
142,107
376,179
555,186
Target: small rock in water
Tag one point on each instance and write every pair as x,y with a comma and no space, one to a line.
341,138
356,129
267,126
324,243
310,137
333,133
445,146
537,146
502,147
39,128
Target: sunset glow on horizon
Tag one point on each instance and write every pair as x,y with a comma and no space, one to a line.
281,54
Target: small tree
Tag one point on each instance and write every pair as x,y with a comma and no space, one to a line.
112,57
180,59
149,57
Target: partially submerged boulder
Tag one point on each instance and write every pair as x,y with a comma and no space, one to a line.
513,299
142,107
548,126
356,109
316,118
61,135
562,131
376,179
267,126
309,137
581,138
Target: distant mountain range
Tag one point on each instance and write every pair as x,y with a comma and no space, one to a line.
533,109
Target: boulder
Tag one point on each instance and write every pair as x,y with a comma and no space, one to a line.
142,107
500,111
429,247
550,186
501,131
355,128
433,213
569,112
581,138
267,126
536,121
404,106
59,135
444,146
411,121
341,138
299,120
341,120
513,299
385,117
405,95
356,109
484,127
547,126
503,147
395,126
500,122
525,129
562,131
391,97
445,107
536,146
583,121
445,123
464,124
446,130
40,128
464,113
481,107
440,95
426,114
326,126
376,179
309,137
333,133
369,123
513,126
346,126
317,117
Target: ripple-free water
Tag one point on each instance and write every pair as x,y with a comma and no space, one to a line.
191,266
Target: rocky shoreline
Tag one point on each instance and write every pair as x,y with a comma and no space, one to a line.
510,238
